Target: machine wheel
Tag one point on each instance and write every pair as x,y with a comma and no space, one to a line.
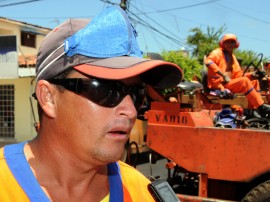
258,123
260,193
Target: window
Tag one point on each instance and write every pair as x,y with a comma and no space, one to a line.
7,111
28,39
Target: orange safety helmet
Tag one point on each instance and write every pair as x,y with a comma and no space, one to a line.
229,37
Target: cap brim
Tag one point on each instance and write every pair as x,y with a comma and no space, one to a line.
158,73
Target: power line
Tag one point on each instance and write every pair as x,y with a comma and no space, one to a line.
45,18
138,20
173,37
179,8
23,2
243,14
3,0
146,25
109,2
156,28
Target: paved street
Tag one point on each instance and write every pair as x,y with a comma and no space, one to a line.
154,170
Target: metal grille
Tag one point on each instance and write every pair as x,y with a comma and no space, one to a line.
7,111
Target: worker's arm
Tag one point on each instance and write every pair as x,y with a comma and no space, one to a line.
211,61
225,77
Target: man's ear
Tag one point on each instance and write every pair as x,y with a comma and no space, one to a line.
45,96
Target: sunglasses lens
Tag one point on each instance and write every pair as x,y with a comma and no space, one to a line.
99,92
103,92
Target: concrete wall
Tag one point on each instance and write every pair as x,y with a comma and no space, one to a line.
24,121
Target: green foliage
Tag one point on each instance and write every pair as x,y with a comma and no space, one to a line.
204,43
248,57
190,66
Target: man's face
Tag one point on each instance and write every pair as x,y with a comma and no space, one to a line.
92,132
229,45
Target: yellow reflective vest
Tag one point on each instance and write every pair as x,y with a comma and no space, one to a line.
18,183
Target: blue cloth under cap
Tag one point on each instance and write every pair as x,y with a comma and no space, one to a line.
109,34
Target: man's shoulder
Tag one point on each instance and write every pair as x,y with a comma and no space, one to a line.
4,167
127,167
10,190
135,182
130,171
11,149
11,153
1,153
217,51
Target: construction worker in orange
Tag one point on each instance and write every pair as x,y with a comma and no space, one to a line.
224,72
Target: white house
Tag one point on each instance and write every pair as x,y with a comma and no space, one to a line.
19,42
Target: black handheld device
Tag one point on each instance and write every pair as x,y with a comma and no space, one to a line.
162,191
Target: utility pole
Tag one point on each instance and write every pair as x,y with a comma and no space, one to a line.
123,4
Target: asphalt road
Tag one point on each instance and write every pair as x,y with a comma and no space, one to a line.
154,170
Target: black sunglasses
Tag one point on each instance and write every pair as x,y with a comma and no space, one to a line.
106,93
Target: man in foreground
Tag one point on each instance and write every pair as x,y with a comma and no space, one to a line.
91,80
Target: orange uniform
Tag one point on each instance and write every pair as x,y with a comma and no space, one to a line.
18,183
217,61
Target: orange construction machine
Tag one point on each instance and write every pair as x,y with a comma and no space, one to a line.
224,163
208,161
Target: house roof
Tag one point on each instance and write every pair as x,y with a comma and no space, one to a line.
27,64
23,23
27,60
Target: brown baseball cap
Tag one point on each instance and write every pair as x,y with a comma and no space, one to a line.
104,47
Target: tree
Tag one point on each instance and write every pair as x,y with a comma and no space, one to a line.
190,66
204,43
246,56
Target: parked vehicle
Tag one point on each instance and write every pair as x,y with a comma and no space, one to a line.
206,161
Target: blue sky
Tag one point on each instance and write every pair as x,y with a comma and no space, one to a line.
248,19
